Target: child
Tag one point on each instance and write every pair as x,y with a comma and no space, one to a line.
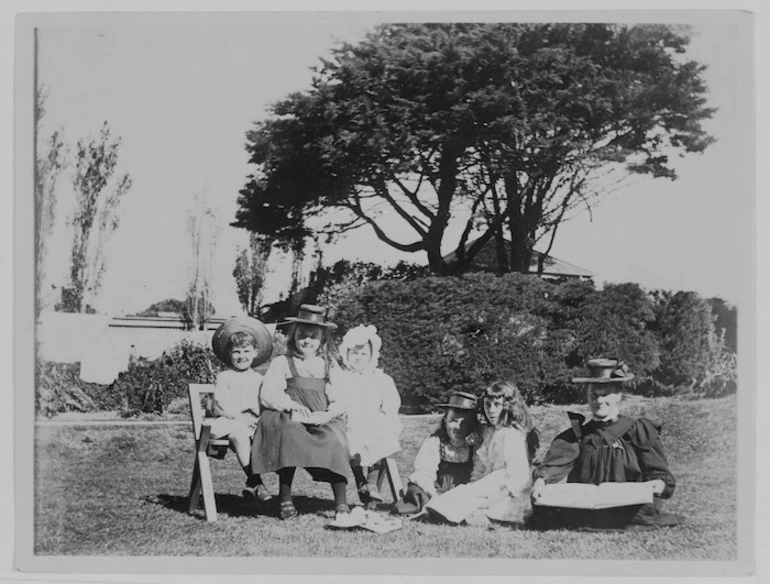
240,343
302,425
445,459
607,447
372,406
500,483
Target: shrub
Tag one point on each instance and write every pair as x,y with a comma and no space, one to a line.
460,333
59,389
150,386
612,322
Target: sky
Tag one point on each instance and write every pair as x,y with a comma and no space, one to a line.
182,91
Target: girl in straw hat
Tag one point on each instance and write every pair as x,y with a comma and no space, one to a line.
240,343
501,479
607,447
372,406
302,424
445,459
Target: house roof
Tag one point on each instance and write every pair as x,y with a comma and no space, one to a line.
160,322
486,260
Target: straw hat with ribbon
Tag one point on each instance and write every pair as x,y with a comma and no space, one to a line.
461,400
262,338
605,371
311,314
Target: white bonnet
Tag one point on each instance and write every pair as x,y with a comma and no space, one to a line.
361,335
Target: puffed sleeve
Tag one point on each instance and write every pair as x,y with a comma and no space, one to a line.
391,400
560,458
645,438
273,394
426,465
481,458
516,461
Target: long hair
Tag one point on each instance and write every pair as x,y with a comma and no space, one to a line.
326,350
515,413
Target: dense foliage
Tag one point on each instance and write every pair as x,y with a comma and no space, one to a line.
442,334
462,333
502,129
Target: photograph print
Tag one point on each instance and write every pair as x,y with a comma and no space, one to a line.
395,288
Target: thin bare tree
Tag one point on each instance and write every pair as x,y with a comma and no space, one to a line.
204,229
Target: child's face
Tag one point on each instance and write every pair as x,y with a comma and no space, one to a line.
493,409
241,358
604,400
458,424
359,357
308,339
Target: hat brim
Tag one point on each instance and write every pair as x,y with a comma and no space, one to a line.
603,380
293,320
252,326
456,407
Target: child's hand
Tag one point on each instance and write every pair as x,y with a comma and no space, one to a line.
537,488
301,410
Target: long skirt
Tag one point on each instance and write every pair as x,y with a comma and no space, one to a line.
487,495
280,442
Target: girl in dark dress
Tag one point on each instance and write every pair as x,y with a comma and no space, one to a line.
608,447
302,424
445,459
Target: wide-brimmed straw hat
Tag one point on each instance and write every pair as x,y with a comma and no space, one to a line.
262,338
461,400
311,314
605,371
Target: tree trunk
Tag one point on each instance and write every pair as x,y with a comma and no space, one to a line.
521,244
447,184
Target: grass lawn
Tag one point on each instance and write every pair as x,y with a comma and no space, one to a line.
121,490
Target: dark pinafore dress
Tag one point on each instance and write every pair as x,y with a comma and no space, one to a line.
452,474
280,442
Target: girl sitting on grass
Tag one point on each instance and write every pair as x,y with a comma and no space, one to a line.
302,424
501,480
372,406
445,459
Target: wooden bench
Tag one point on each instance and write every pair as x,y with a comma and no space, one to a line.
201,485
389,471
206,447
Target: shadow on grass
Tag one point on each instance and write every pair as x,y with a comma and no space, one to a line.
237,506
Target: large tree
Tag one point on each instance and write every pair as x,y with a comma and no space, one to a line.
98,195
505,129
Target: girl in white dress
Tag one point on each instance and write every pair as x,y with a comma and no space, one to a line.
372,404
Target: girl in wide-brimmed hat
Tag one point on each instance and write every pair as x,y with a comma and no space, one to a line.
501,481
445,459
607,447
372,406
240,343
303,424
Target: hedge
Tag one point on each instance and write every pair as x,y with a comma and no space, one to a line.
463,333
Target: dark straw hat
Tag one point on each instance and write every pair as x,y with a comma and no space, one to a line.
311,314
461,401
262,338
605,371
